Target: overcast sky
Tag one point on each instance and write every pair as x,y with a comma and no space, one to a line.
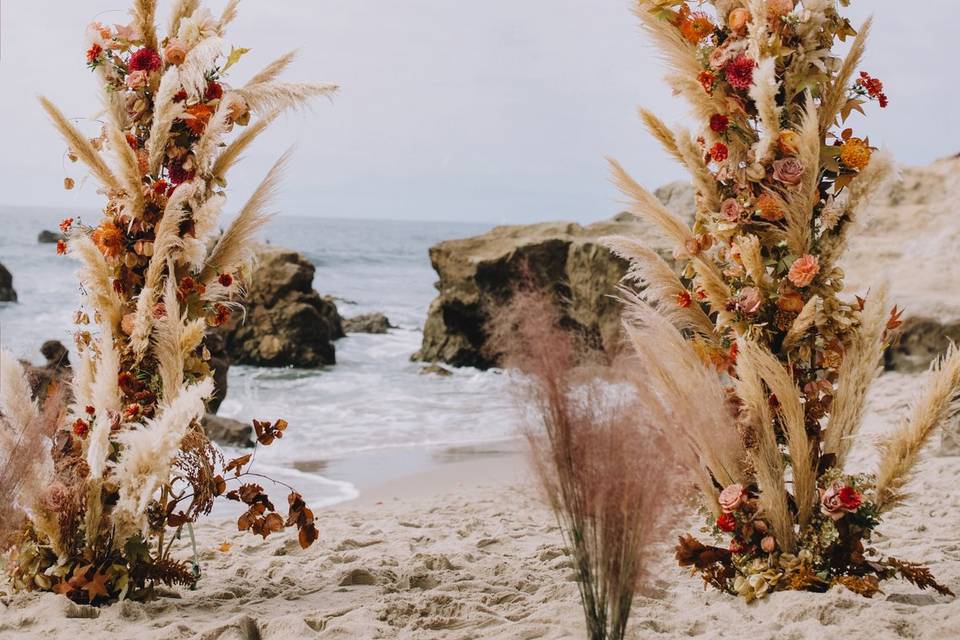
494,111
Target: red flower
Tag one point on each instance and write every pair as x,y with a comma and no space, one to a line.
214,91
132,410
719,123
65,224
93,53
726,522
719,152
81,427
683,299
740,72
180,96
178,174
61,247
160,187
145,59
849,498
90,409
225,279
220,315
873,87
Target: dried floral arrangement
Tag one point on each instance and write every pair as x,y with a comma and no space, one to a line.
97,488
610,479
762,362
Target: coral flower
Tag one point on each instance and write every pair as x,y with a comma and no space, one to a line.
804,270
719,123
199,116
93,53
65,224
719,152
108,238
145,59
683,299
769,207
739,72
855,154
175,52
695,27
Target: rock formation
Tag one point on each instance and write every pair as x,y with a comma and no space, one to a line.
478,275
7,293
226,431
50,237
367,323
286,322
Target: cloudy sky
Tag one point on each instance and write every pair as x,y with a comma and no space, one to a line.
495,111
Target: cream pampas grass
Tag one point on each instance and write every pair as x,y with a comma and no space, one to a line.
231,154
266,97
228,15
193,71
107,400
181,9
273,70
836,95
166,110
149,450
235,246
144,14
645,205
861,366
81,146
663,134
95,273
764,93
129,170
659,285
16,397
901,450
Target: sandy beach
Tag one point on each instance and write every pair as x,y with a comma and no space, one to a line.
462,547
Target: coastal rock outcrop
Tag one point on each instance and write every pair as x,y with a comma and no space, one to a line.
478,275
367,323
227,431
286,322
50,237
7,293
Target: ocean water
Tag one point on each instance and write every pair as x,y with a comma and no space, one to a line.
372,404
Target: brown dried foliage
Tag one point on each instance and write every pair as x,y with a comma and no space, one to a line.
918,575
609,475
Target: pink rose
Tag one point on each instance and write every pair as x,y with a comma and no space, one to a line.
731,210
175,52
750,300
768,544
137,79
55,497
719,56
839,500
804,270
732,498
789,171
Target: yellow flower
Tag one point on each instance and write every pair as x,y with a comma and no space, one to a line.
855,154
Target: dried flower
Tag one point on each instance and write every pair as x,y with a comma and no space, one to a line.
768,544
65,224
175,52
61,247
778,8
225,280
804,270
732,498
726,522
145,59
93,53
683,299
81,428
789,142
738,19
750,300
769,207
789,171
855,154
199,116
719,152
739,72
68,183
873,87
719,123
109,238
731,210
707,80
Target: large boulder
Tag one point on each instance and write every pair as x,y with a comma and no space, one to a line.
367,323
50,237
286,322
479,275
7,293
226,431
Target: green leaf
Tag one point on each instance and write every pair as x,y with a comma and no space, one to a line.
235,54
